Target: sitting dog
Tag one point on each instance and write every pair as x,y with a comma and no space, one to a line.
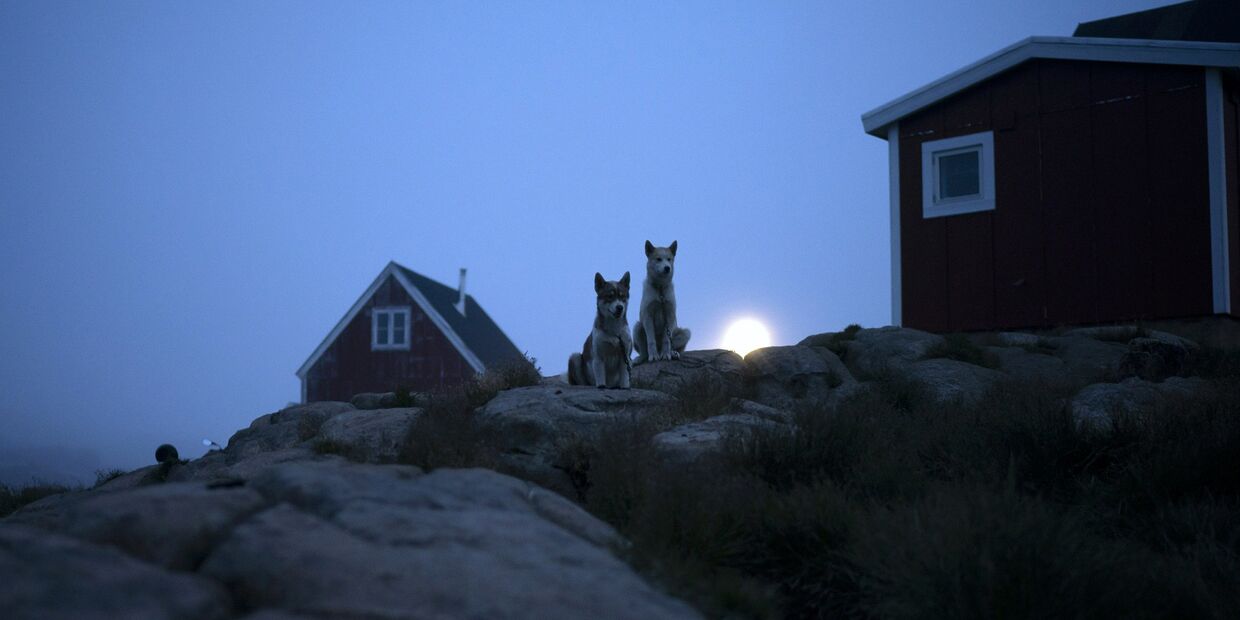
604,361
656,335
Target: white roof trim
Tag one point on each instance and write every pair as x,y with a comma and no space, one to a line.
1195,53
439,321
392,270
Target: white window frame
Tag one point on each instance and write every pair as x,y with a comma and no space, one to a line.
390,311
931,204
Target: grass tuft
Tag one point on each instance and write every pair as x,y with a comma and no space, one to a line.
12,498
445,435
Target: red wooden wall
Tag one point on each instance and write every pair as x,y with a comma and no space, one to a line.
1102,201
349,367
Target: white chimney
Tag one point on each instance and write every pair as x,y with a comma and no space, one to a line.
460,294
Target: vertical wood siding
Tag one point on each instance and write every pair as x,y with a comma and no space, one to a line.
1101,195
349,367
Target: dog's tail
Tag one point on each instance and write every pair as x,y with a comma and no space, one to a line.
576,370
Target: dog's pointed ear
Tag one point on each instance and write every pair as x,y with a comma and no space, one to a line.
598,282
672,247
624,280
649,248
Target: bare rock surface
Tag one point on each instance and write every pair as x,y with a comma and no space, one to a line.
709,369
873,352
1089,360
227,465
284,429
1154,359
1017,339
374,436
948,381
1030,367
49,576
532,426
1110,333
786,377
1096,405
374,400
452,544
323,538
171,525
697,440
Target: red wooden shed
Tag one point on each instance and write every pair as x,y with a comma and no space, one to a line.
406,331
1069,180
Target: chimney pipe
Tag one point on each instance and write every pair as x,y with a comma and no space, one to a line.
460,294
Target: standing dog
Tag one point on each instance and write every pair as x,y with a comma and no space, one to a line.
656,334
604,360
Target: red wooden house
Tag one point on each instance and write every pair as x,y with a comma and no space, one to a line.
1072,180
406,331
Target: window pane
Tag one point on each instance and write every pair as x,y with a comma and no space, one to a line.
959,175
382,318
398,328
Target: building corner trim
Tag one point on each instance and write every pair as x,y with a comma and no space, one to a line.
1217,164
893,182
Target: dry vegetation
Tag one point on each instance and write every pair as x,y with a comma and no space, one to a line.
890,508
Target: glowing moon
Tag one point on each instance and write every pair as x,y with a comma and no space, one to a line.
745,335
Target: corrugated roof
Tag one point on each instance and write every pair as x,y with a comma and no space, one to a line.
476,329
1197,20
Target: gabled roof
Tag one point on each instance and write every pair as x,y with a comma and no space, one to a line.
1194,53
478,339
1197,20
476,328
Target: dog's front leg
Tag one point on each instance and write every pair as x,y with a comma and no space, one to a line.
626,369
672,354
669,317
652,348
599,368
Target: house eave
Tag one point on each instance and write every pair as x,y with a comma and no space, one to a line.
1149,51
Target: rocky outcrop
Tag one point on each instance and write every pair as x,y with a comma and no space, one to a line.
1154,359
788,377
374,400
716,370
695,441
303,515
950,381
452,544
1030,366
874,352
170,525
1088,360
283,429
373,436
532,427
50,576
1096,406
322,538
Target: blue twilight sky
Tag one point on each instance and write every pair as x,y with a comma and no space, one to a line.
192,194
